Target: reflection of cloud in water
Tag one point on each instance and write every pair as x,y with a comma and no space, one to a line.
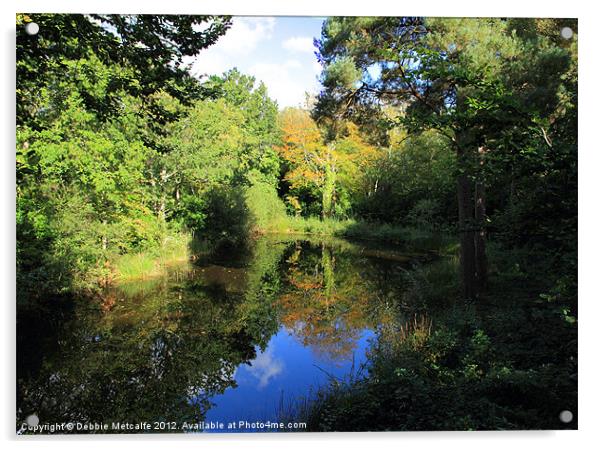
265,367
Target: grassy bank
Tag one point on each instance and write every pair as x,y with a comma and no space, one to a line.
307,225
178,247
174,248
418,239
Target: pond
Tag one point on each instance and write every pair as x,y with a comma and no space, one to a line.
244,335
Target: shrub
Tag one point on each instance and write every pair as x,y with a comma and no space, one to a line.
264,206
228,218
423,214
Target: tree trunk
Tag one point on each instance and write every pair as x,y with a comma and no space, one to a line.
480,235
467,238
328,191
163,200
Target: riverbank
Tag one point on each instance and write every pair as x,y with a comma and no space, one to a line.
174,249
418,239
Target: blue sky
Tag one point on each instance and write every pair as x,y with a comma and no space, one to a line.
276,50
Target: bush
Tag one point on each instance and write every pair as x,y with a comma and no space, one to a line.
192,212
228,218
264,205
423,214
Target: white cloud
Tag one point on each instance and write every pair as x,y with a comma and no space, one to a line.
281,82
242,38
209,63
293,64
245,33
300,44
289,72
265,367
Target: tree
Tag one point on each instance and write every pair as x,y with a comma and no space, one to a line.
333,170
259,161
356,161
153,46
95,94
312,164
224,141
411,181
80,191
458,76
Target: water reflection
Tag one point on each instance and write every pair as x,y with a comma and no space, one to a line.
265,367
224,338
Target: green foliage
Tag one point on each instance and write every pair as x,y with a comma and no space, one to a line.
412,183
311,225
507,364
228,220
191,211
206,146
152,45
455,378
264,205
501,94
132,266
121,148
342,73
153,262
424,213
258,160
80,193
226,140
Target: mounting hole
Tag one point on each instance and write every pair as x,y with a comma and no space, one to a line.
566,33
566,416
32,420
32,28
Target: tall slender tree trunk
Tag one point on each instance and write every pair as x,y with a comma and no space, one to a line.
328,191
480,238
481,223
467,238
472,218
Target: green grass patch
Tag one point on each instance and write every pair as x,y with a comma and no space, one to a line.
174,248
412,238
309,225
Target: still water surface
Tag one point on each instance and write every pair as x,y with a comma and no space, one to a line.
239,336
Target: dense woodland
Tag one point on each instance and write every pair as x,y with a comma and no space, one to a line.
465,128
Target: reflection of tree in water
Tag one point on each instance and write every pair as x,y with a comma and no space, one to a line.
159,351
325,304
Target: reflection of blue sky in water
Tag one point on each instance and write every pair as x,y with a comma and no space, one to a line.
286,371
265,367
